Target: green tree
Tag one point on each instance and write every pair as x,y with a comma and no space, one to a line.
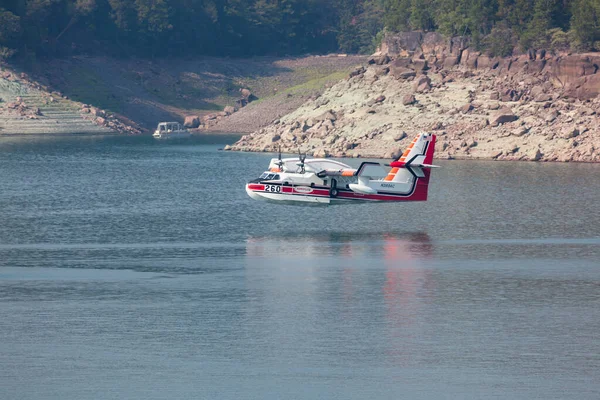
584,24
10,28
421,15
397,15
154,24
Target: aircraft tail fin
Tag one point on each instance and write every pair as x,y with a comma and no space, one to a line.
419,154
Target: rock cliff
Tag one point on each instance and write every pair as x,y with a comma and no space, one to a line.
535,106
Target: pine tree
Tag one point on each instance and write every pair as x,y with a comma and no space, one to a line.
584,24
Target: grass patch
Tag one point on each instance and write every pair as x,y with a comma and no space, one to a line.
316,83
87,87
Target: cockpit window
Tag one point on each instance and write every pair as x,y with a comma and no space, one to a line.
269,177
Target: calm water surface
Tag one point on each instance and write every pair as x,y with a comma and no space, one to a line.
132,269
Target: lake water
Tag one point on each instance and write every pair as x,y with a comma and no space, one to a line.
133,269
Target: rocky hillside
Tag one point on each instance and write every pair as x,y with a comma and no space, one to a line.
535,106
27,107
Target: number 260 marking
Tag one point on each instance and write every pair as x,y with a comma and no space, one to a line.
273,188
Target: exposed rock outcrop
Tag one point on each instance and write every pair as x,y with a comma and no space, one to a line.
191,121
530,107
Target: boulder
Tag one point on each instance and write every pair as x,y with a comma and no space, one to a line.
408,99
570,133
331,139
584,88
399,136
420,65
320,153
358,71
97,112
510,95
533,155
402,43
485,62
209,117
402,73
520,131
542,97
537,66
326,116
551,116
437,126
536,91
229,110
379,60
574,66
472,61
586,111
466,108
422,84
381,71
503,116
191,121
246,93
402,62
450,61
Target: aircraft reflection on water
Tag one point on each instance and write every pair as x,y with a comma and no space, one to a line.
381,275
389,246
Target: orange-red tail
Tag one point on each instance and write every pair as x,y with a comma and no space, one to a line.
418,154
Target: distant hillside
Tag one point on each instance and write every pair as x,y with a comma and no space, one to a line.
143,92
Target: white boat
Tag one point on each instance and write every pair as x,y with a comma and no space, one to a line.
170,130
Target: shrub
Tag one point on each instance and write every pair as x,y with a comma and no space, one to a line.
500,41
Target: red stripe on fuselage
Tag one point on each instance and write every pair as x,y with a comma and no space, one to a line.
256,186
346,195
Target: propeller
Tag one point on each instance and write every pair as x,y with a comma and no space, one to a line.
301,157
280,162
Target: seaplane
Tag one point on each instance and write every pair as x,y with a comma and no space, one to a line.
322,181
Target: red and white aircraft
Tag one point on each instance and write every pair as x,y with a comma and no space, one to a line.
322,181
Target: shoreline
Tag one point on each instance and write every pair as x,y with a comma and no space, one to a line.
275,152
434,158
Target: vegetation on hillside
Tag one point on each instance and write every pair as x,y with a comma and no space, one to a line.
170,28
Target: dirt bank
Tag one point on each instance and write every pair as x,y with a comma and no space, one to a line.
149,91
